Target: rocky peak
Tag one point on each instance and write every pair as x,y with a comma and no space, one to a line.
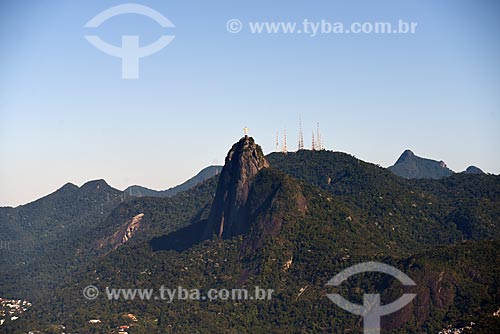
473,170
412,166
229,214
407,155
68,188
95,186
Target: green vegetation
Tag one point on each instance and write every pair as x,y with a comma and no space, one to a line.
331,211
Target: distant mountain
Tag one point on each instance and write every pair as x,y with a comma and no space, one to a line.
46,236
473,170
411,166
289,222
204,174
62,232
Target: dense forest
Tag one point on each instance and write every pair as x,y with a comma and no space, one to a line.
443,233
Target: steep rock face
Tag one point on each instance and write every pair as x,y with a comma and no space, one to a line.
123,234
435,290
229,215
414,167
452,282
251,199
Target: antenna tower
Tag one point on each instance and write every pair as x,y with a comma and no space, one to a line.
277,141
301,136
285,150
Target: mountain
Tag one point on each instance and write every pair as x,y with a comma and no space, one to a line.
204,174
455,208
230,212
46,236
473,170
305,216
456,285
245,202
62,232
411,166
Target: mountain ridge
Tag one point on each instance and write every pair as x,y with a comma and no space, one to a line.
310,215
202,175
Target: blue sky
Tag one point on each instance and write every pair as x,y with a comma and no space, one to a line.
67,116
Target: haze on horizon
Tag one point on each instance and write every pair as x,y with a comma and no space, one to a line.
67,116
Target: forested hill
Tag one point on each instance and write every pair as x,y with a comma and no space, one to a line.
311,214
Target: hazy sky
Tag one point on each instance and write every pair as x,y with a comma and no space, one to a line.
66,115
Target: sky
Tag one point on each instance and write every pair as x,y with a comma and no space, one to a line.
66,114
